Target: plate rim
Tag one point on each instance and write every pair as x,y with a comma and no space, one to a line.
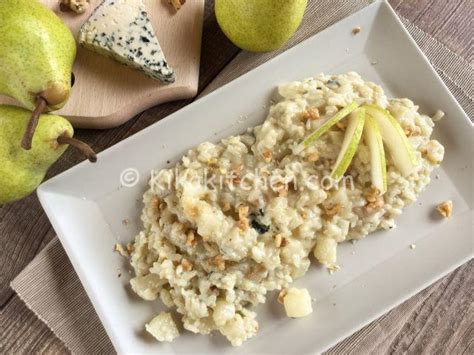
45,188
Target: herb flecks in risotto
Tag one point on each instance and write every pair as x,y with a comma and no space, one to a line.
214,252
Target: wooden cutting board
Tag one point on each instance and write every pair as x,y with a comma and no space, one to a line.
107,94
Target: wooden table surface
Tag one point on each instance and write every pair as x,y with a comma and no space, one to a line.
438,320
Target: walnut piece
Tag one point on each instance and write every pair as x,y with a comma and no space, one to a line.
445,209
191,239
412,131
313,157
77,6
212,161
281,187
177,3
374,200
243,222
281,295
234,177
121,250
267,155
372,195
332,210
219,262
278,240
186,264
372,207
311,113
155,203
356,30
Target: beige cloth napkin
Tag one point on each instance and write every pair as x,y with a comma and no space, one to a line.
50,287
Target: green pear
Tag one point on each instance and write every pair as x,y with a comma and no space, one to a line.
21,171
398,145
351,140
325,127
259,25
37,51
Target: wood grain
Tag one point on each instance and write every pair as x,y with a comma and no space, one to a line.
439,320
113,92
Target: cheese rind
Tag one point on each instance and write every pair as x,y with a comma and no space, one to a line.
121,29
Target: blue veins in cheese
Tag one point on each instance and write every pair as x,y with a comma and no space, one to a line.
122,30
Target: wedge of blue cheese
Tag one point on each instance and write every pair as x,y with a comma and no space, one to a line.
121,29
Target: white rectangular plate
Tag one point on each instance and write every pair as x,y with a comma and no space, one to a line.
87,204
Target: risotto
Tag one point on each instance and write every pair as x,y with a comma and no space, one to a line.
239,218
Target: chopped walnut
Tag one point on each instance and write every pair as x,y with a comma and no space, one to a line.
186,264
372,207
374,200
191,211
267,155
191,239
372,195
281,295
445,209
431,152
177,3
313,157
77,6
212,161
278,240
243,212
430,157
281,187
412,131
356,30
311,113
235,174
121,250
243,222
236,180
155,203
219,262
332,210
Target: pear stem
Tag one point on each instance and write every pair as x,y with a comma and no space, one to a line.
41,105
80,145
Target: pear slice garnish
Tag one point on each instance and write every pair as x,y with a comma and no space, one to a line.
378,166
350,143
325,127
395,140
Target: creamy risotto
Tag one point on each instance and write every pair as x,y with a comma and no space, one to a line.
239,218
